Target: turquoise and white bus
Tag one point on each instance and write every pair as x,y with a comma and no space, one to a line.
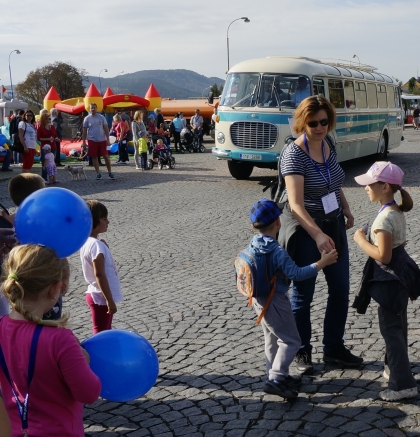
255,112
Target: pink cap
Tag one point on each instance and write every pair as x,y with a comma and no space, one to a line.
381,171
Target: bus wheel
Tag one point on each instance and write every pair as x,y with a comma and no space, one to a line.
240,170
383,146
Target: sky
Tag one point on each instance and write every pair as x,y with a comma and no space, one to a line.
184,34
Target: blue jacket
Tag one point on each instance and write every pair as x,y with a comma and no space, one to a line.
278,260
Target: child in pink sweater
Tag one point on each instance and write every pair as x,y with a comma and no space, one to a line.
62,379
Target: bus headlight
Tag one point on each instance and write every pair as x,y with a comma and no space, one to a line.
221,138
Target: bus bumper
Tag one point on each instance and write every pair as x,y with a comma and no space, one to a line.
239,155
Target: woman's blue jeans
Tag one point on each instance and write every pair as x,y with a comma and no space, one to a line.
338,280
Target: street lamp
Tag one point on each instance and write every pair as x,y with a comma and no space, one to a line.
10,70
355,56
121,72
202,94
100,86
246,20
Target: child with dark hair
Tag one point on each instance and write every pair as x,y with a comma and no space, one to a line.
281,337
100,271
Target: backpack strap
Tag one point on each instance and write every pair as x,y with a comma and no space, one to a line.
273,283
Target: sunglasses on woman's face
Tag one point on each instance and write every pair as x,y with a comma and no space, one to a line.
313,124
29,115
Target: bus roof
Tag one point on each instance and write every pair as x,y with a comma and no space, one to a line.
312,67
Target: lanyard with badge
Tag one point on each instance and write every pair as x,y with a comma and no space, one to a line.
329,202
23,406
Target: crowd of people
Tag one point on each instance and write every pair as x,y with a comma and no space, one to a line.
24,129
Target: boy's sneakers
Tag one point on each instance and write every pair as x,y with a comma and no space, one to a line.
391,395
111,176
98,176
280,388
303,362
343,356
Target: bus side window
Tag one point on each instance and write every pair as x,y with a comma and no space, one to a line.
372,97
319,88
361,97
349,94
391,99
336,92
397,98
382,96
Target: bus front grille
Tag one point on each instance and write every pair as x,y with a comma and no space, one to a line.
253,134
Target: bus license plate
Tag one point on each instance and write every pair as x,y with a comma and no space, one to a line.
254,157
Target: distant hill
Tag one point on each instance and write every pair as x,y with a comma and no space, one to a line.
175,84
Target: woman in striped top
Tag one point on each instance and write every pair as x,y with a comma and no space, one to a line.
314,222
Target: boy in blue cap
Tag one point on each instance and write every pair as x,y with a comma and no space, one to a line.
281,337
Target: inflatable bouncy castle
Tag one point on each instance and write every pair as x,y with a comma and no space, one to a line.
75,109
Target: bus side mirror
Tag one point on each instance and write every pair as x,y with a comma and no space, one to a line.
210,97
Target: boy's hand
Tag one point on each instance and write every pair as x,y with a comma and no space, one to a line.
327,259
112,307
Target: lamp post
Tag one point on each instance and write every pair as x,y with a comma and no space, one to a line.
202,94
10,70
121,72
246,20
100,86
355,56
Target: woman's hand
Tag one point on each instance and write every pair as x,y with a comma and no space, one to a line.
349,217
324,243
359,236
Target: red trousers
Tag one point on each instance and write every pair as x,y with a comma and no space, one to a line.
101,320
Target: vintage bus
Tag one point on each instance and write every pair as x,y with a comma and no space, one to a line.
255,113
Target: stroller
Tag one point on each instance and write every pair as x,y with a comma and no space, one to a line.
161,158
191,141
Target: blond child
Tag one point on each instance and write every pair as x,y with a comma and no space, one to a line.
142,148
62,379
390,276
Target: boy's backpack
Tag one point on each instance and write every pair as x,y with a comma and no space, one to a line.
252,278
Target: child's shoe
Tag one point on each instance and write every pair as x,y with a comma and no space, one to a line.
392,395
280,388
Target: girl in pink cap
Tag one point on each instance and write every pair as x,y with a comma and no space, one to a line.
390,276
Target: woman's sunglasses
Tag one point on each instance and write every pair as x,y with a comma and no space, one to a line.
323,122
29,115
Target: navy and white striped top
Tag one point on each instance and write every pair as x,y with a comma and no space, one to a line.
295,161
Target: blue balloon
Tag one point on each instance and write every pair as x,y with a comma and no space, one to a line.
125,362
56,218
114,148
3,139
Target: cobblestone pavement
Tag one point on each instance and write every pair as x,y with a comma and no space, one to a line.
174,234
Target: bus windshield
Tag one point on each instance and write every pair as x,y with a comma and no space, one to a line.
273,90
283,90
241,89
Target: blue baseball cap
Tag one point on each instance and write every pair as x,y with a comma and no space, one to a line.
263,213
143,133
